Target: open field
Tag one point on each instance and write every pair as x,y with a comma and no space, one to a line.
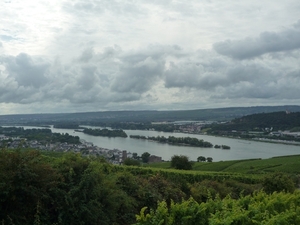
287,164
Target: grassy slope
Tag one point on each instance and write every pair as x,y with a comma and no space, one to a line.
288,164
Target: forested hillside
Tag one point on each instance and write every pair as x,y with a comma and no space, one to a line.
56,188
274,120
99,118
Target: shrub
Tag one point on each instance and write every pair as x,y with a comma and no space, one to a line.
131,162
181,162
278,182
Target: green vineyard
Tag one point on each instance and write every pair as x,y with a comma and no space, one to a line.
66,188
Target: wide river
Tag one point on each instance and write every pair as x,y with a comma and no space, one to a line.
240,149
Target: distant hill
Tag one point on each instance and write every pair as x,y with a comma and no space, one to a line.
218,114
276,120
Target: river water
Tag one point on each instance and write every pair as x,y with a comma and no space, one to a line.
240,149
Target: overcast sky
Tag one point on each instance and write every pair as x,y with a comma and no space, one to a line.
95,55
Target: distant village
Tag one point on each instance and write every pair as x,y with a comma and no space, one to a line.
114,156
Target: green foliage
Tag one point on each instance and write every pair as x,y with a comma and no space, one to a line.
162,165
181,162
185,213
225,147
278,182
145,157
131,162
201,159
287,164
278,208
45,135
215,166
258,122
105,132
26,185
209,159
70,190
187,141
67,188
295,129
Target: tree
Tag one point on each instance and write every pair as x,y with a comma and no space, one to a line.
145,157
181,162
134,155
201,159
209,159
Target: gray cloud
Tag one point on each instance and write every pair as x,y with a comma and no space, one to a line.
267,42
96,55
87,55
26,71
139,77
94,77
115,78
87,8
219,77
141,70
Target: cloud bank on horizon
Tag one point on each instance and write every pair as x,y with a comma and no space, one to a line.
93,55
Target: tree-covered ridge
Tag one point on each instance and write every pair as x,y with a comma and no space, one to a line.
274,120
105,132
98,118
187,141
42,134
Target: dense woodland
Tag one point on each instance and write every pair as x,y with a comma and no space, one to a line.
187,141
42,134
105,132
258,122
66,188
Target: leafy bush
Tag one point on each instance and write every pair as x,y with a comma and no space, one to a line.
131,162
261,208
181,162
278,182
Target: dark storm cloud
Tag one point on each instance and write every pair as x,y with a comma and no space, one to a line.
267,42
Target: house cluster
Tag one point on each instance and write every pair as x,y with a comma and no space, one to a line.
114,156
85,148
192,128
285,133
118,157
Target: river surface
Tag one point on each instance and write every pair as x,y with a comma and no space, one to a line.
240,149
